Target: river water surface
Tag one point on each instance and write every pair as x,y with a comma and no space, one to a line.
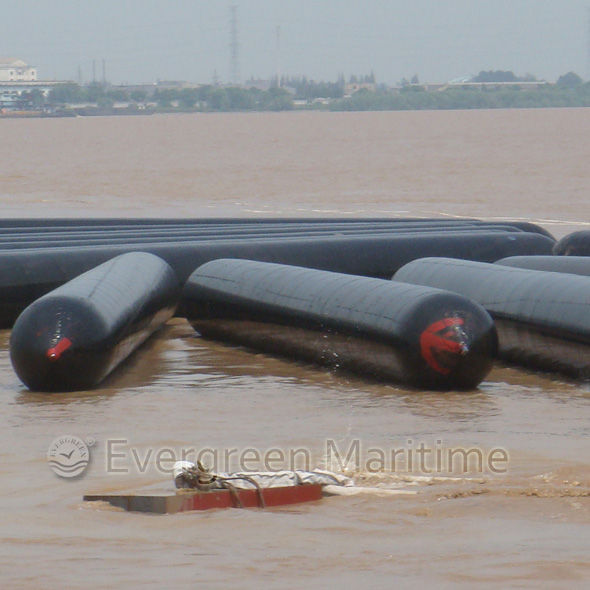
521,521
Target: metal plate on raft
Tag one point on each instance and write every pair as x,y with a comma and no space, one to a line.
187,500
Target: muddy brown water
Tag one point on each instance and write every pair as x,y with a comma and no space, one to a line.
522,520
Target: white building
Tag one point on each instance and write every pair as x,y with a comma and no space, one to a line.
16,70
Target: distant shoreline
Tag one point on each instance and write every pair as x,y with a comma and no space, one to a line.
124,112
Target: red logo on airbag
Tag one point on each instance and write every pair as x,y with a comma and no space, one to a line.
54,353
432,341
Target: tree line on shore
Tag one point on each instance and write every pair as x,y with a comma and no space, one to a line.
465,97
201,98
302,93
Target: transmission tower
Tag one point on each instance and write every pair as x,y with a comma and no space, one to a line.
278,56
234,47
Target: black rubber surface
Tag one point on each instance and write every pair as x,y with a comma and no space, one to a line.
73,337
575,244
419,336
543,318
103,238
575,265
28,274
67,224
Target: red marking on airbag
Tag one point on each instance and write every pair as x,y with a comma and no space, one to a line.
430,340
54,353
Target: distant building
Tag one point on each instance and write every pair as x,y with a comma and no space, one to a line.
17,79
16,70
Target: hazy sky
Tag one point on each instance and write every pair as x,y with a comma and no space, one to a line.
142,41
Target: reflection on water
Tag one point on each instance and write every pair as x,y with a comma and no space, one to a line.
139,370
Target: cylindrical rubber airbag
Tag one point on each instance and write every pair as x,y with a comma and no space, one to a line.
98,239
543,318
574,244
29,274
73,337
414,335
575,265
